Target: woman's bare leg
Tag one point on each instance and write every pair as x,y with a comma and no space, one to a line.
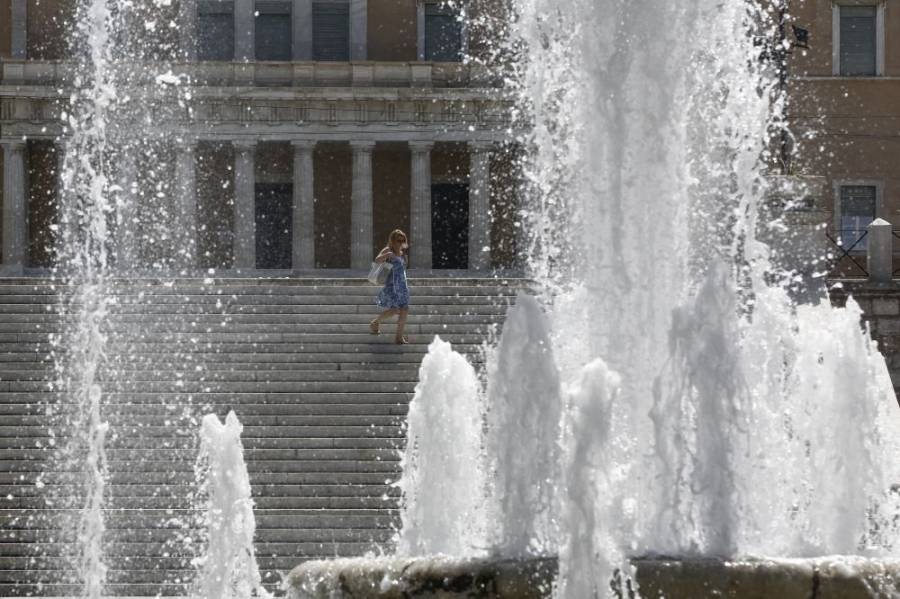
375,325
401,324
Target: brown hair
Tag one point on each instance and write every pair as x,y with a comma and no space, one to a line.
395,235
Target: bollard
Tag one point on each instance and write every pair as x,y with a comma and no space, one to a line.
880,252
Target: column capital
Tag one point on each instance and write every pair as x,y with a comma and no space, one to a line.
362,145
184,144
13,145
421,146
244,145
478,147
304,145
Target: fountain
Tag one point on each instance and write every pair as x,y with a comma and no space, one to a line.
664,414
681,425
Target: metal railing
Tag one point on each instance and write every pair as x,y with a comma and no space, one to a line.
852,254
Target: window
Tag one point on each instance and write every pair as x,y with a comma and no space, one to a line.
215,30
857,30
331,31
857,211
443,33
273,30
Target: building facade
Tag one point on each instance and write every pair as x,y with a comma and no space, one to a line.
844,115
314,129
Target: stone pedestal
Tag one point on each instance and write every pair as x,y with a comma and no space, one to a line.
245,205
15,222
420,205
880,252
361,240
303,249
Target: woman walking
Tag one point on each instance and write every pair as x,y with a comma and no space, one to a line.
394,296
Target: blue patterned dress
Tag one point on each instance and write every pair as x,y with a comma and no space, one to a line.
395,293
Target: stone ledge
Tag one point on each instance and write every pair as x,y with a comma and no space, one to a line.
835,577
400,578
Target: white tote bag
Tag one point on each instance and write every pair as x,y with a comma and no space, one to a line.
378,274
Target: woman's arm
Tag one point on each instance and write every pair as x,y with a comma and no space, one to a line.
385,254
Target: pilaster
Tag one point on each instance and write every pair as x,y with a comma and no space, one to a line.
479,206
303,247
420,29
302,29
186,180
359,29
245,204
420,204
187,29
361,239
15,216
127,245
244,30
19,29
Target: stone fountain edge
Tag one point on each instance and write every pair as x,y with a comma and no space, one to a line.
834,577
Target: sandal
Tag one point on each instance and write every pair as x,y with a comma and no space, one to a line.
401,341
375,327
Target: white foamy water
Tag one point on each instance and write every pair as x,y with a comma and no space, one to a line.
443,470
522,434
227,569
702,412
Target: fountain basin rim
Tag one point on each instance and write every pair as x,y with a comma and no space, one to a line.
389,577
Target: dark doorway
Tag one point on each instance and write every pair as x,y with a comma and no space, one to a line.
273,225
450,226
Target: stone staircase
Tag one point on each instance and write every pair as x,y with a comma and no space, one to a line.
322,403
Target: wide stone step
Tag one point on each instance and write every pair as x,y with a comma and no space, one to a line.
223,399
51,317
182,520
233,387
136,377
418,346
185,464
271,287
185,442
195,411
152,455
122,421
171,327
316,502
260,299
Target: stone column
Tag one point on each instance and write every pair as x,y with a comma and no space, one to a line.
245,205
187,29
420,29
359,29
19,30
127,216
15,216
303,249
479,206
420,204
361,212
244,30
186,182
302,30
